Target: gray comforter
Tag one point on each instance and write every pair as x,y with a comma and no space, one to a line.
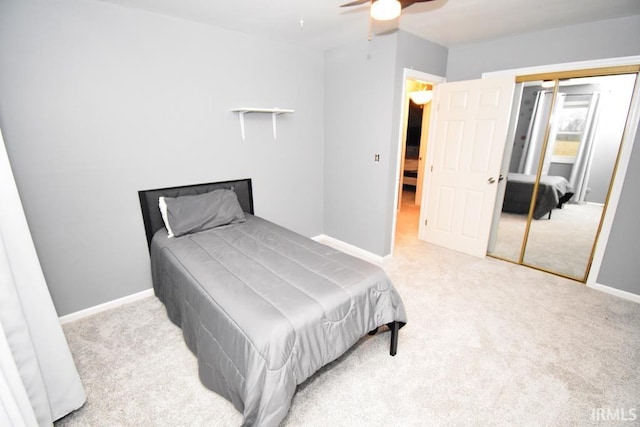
263,308
551,192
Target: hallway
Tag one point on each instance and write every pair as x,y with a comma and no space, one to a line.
408,217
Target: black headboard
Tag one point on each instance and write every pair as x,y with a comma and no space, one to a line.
151,212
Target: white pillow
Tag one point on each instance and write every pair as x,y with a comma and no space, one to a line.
163,211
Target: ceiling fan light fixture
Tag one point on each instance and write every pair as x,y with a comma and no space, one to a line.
421,97
385,10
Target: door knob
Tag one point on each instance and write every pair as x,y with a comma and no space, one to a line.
491,180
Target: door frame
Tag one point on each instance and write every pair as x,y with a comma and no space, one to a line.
628,139
407,74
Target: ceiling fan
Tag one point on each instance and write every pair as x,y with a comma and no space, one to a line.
384,10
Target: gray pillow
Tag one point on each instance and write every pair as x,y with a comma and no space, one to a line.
190,214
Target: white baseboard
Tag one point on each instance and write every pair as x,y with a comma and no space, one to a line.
616,292
349,249
106,306
329,241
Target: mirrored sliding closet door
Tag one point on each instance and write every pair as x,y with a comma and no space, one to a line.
558,171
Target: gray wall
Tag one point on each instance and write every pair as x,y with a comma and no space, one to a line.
363,89
100,101
358,100
621,265
604,39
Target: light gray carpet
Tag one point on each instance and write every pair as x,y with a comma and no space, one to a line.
487,343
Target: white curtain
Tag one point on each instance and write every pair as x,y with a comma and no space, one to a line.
532,150
581,170
39,382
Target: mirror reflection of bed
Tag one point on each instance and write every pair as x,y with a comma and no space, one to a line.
583,123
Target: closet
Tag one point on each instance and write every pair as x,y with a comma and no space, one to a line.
558,168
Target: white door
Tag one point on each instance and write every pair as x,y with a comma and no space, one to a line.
426,116
469,127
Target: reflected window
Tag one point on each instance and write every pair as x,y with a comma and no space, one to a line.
572,120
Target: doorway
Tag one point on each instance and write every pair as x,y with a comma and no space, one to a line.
414,134
415,140
559,168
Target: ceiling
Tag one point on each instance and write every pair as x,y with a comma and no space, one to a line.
322,24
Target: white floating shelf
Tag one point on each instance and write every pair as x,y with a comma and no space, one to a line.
273,111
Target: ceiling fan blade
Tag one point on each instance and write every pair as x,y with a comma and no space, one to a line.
355,3
407,3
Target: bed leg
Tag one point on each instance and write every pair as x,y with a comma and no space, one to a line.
393,327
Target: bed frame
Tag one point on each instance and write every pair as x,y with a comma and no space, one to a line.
242,187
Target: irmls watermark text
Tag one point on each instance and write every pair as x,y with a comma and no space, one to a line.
614,414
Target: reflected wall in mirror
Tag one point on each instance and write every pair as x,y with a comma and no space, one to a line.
564,154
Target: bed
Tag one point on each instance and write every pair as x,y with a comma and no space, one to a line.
262,307
553,192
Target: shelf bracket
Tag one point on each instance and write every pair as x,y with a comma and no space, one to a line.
241,117
274,113
273,120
